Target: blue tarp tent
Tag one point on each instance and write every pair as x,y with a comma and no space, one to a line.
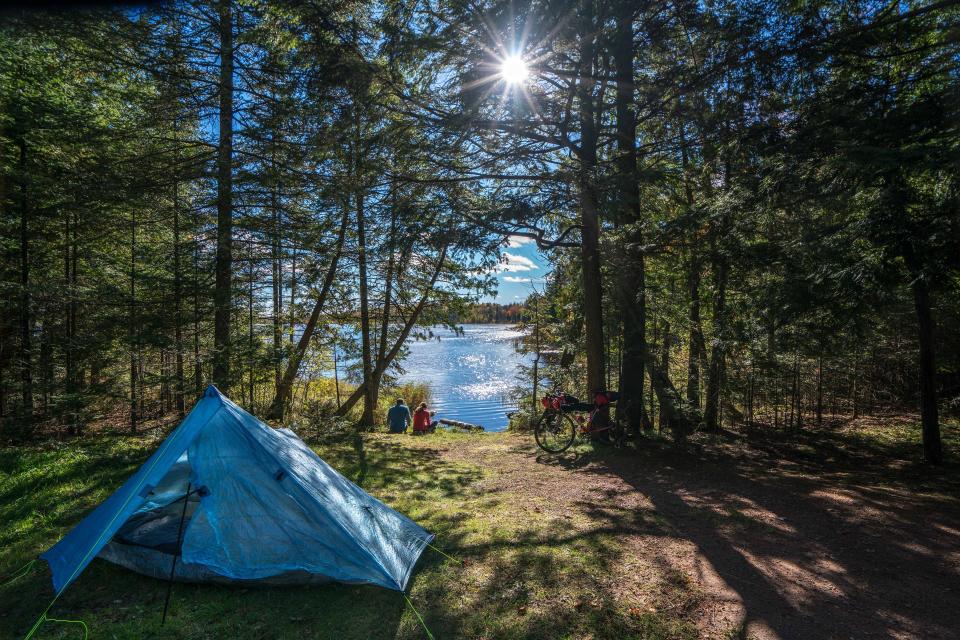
247,503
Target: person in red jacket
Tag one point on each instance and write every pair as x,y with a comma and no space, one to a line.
421,419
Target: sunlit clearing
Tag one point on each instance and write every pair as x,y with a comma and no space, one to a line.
514,70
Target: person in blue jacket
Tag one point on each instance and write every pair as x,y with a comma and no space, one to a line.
398,417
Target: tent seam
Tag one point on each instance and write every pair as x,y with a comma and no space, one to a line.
308,489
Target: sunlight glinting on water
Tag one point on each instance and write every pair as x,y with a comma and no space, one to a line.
470,375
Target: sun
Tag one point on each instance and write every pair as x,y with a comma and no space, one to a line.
514,70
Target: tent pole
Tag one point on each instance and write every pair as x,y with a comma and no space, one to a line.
173,565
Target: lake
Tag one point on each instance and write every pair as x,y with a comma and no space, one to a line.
471,374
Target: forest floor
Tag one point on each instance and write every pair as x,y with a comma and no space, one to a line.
828,533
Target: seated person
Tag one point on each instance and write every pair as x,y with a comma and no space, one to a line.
421,420
398,417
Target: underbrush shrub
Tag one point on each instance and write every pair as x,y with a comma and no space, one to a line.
522,421
316,421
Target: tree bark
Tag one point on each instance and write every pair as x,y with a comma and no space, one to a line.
718,350
177,303
277,284
68,338
696,345
25,355
820,386
292,311
929,418
632,270
46,365
795,392
926,329
590,245
222,295
374,389
197,362
366,354
854,392
132,329
665,362
250,333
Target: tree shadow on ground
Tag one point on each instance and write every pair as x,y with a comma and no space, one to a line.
801,543
538,582
595,543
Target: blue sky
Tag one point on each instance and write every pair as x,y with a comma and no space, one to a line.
523,267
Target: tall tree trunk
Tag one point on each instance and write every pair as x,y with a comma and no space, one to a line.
632,270
164,382
696,345
632,275
284,392
718,350
141,381
373,390
68,339
25,355
795,392
177,303
132,329
798,391
926,330
4,350
590,246
665,362
681,416
336,373
250,342
197,362
222,295
929,418
46,365
651,400
3,379
820,386
366,355
292,311
77,382
277,284
854,392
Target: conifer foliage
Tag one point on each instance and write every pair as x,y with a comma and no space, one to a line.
752,209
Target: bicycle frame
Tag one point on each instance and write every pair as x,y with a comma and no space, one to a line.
564,418
556,402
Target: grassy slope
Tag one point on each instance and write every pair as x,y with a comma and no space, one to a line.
44,490
530,569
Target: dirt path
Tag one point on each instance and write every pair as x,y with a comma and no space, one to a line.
750,541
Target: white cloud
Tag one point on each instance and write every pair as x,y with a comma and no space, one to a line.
521,280
515,263
515,242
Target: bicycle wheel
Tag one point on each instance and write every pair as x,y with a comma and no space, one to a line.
555,431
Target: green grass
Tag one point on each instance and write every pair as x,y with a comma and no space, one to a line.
519,577
535,556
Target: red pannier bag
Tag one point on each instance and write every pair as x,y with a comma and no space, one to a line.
603,398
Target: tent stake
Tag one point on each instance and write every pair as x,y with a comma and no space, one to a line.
173,565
